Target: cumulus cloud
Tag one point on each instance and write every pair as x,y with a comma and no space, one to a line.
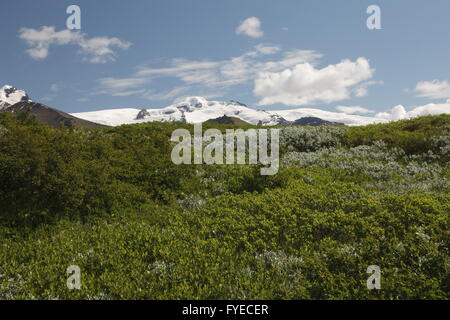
289,77
41,40
94,50
399,112
354,109
100,49
236,70
209,76
250,27
435,89
305,85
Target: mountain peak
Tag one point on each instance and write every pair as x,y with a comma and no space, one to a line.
228,120
189,104
10,95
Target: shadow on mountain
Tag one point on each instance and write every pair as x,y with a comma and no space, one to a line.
53,117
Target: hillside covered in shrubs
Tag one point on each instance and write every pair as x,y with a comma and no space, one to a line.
111,201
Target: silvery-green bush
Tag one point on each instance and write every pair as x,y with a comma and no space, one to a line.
389,167
310,139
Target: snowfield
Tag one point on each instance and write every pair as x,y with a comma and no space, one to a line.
199,109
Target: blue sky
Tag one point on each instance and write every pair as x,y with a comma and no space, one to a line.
145,53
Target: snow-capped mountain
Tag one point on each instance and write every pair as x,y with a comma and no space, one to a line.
10,95
199,109
15,101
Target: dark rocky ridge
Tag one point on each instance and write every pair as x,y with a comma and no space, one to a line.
53,117
228,120
142,114
314,122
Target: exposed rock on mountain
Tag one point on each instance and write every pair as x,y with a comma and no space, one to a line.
10,95
228,120
189,110
50,116
142,114
199,109
313,121
274,120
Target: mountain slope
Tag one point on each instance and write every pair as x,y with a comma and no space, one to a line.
50,116
228,120
14,100
198,109
314,122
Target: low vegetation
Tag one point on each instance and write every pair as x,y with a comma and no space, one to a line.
110,201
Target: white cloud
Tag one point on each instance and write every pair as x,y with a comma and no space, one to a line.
361,92
362,89
48,98
122,83
267,49
121,87
190,72
399,112
332,83
304,84
353,109
207,96
435,89
170,95
291,59
236,70
100,49
95,50
178,94
250,27
209,76
41,40
127,93
178,65
55,88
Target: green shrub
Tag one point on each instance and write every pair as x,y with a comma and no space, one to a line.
110,201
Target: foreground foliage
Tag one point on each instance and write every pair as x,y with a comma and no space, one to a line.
110,201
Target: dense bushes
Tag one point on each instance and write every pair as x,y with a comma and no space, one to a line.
308,240
110,201
303,139
413,135
47,173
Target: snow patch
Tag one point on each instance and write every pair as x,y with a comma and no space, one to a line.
10,95
199,109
